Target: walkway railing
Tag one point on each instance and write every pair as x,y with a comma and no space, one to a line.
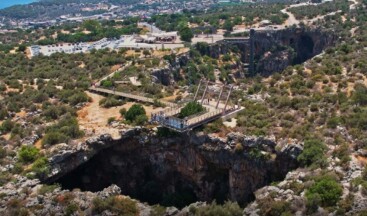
189,123
131,96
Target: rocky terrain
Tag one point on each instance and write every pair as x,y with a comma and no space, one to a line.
205,166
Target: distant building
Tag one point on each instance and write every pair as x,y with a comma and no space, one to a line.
165,36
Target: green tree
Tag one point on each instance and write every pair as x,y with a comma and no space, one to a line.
191,108
146,52
228,25
134,112
327,189
41,167
28,154
7,126
186,34
53,138
360,94
313,153
22,48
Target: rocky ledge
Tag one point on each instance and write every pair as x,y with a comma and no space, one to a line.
208,167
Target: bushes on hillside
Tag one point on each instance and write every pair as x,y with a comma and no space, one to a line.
73,97
67,128
136,114
115,204
110,102
325,192
270,207
28,154
77,98
191,108
41,167
56,111
7,126
360,94
313,153
53,138
213,209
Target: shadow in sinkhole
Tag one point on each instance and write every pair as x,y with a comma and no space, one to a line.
138,177
305,47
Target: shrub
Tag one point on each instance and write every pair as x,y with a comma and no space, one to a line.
47,189
110,120
134,111
313,153
191,108
41,167
2,153
53,138
67,128
269,207
326,192
28,154
123,111
77,98
343,153
3,113
158,103
107,83
5,177
333,122
118,205
71,208
213,209
360,94
7,126
158,210
141,120
17,169
313,203
214,127
110,102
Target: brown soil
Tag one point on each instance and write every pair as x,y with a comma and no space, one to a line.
93,118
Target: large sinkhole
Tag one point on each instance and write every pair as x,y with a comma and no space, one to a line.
176,173
152,177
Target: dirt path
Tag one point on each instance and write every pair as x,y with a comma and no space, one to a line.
291,18
93,118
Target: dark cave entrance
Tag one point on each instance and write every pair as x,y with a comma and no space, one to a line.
145,181
305,47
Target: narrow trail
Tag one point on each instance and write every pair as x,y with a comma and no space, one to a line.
292,20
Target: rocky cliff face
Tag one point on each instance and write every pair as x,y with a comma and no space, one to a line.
174,171
275,50
163,76
305,43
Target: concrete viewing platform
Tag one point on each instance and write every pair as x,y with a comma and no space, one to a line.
216,106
